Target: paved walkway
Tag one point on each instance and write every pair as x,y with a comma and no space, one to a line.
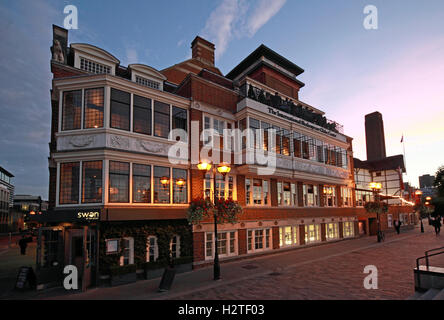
332,271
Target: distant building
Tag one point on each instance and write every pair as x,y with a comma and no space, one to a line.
6,199
385,170
426,181
26,208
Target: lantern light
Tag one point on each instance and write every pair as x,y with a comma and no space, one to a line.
180,182
204,166
223,169
164,181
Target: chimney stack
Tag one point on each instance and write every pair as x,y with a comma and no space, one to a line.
203,51
375,138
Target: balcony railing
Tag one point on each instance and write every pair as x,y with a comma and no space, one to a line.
289,106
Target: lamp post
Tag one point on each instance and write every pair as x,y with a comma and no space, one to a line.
223,169
376,187
418,201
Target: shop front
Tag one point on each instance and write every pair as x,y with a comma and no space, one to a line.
68,237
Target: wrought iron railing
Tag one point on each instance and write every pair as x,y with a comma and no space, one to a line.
289,106
438,251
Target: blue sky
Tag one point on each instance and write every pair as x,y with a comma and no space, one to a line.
397,69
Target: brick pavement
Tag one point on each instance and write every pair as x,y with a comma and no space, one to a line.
339,276
331,271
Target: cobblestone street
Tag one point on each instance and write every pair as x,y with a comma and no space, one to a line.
338,277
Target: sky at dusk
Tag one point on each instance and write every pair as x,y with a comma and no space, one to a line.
397,69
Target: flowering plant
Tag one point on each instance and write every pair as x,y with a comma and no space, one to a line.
376,207
226,210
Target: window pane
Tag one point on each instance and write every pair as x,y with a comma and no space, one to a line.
118,182
180,190
142,115
72,110
69,183
92,182
161,119
120,109
141,183
161,192
93,117
180,118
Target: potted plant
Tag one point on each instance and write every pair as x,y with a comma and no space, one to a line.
123,274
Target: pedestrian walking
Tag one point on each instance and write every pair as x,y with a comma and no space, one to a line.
23,243
397,225
437,225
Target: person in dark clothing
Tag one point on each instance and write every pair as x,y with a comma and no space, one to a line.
397,225
437,225
23,243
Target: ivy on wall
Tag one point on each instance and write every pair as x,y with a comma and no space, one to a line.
140,231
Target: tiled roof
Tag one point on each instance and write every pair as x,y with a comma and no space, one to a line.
389,163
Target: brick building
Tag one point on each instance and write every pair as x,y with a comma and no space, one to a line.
118,197
7,221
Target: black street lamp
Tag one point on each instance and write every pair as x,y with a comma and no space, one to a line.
223,169
376,187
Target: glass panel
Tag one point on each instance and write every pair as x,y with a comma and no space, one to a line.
161,191
161,119
94,102
180,120
180,186
92,182
72,110
69,183
141,183
120,109
118,182
142,115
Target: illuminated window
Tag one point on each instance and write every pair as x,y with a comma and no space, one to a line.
161,191
180,185
346,197
311,196
120,109
69,183
93,113
118,182
72,110
332,231
329,194
141,183
312,233
348,229
92,182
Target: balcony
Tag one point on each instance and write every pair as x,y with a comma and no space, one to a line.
264,95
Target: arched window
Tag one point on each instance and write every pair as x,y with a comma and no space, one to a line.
152,249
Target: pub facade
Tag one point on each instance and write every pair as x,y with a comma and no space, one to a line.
119,192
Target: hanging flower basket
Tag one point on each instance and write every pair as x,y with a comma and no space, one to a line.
227,211
376,207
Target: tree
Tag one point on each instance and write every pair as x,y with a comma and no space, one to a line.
438,201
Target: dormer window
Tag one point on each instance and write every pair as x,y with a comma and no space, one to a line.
148,83
94,67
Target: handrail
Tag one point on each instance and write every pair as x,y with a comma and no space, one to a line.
427,256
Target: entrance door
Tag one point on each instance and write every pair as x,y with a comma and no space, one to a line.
83,254
373,226
49,257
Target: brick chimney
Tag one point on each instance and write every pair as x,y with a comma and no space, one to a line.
203,50
375,138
